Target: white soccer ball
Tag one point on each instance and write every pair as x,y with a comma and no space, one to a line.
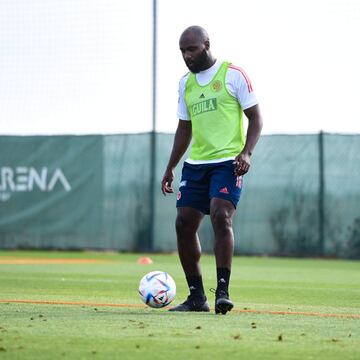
157,289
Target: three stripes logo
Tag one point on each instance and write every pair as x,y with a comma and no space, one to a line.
239,181
224,190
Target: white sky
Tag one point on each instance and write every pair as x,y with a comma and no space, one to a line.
84,66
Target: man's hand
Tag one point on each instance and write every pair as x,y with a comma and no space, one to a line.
242,163
167,181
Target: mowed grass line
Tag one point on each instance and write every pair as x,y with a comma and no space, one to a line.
245,310
40,331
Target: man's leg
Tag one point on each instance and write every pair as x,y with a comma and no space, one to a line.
221,214
187,223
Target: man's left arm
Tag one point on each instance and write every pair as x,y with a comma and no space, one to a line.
243,161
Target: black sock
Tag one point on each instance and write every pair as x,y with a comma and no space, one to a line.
223,278
195,286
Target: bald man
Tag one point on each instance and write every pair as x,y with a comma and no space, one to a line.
212,99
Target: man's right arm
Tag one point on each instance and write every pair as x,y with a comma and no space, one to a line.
181,142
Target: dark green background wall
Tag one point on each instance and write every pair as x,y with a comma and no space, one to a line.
301,197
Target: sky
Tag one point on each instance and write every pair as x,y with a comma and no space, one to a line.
85,66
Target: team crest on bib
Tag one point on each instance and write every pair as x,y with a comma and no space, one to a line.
216,85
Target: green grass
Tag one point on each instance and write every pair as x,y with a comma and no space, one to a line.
40,331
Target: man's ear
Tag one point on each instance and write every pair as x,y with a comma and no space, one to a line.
207,44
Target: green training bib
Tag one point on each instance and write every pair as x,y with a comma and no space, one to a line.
216,118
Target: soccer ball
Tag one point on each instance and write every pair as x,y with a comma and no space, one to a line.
157,289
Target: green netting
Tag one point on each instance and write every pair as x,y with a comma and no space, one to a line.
342,195
300,198
126,191
279,209
50,191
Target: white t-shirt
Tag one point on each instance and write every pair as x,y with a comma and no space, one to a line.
237,83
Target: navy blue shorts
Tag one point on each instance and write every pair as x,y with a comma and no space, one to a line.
202,182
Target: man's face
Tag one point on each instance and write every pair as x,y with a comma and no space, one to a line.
194,53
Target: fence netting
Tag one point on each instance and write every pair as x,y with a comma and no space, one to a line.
300,198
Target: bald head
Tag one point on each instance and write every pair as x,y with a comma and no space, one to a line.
195,32
195,48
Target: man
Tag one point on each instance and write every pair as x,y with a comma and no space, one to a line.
212,99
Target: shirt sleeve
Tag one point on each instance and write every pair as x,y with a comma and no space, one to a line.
239,86
182,111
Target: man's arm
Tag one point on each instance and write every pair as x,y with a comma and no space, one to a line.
252,136
181,142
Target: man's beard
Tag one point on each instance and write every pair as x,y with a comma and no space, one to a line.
199,64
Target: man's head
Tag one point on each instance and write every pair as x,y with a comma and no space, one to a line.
195,48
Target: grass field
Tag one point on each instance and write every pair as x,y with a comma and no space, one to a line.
84,305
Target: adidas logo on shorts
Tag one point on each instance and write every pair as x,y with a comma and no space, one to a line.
224,190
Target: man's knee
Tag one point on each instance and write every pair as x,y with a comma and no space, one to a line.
221,217
184,223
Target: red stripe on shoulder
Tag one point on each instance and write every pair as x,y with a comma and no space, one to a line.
248,82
